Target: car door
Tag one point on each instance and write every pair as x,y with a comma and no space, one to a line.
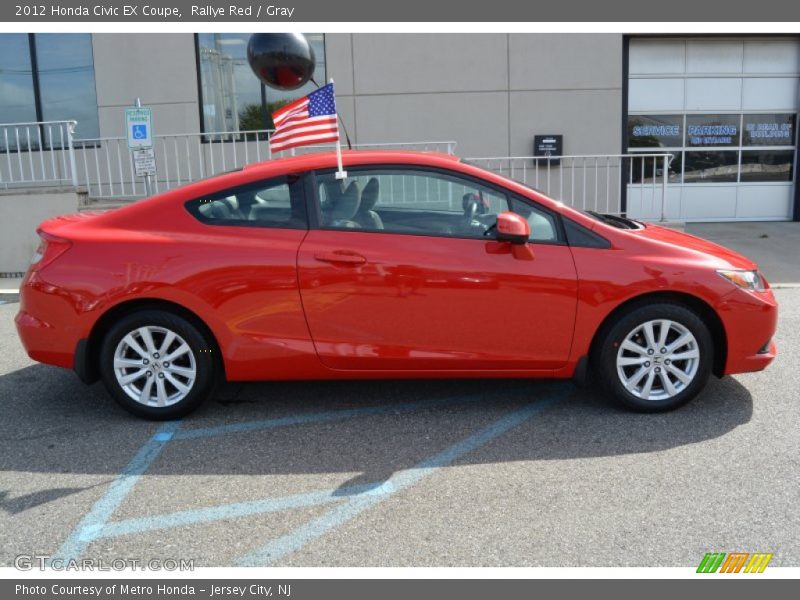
244,269
401,272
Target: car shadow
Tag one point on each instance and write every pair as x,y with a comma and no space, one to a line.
54,424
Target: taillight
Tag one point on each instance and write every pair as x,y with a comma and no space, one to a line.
50,248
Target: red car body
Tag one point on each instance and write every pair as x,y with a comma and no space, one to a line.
404,306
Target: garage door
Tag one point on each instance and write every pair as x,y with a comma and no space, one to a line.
726,109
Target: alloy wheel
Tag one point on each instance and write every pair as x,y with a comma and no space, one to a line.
658,359
155,366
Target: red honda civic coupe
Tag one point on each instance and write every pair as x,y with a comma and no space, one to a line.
416,265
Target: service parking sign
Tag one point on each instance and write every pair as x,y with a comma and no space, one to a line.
139,127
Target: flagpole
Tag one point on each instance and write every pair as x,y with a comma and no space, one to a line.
341,173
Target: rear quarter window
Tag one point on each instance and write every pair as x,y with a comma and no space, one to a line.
277,203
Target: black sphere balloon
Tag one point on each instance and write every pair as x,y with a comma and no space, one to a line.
284,61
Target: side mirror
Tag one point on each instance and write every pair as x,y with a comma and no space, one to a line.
512,228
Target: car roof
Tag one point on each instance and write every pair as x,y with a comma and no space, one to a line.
317,160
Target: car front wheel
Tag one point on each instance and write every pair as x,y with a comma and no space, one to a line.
656,357
157,365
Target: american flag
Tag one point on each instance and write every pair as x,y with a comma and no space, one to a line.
308,120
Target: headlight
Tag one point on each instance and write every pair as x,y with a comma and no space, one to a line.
747,280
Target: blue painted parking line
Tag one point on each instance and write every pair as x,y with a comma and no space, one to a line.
95,523
294,541
232,511
74,546
354,499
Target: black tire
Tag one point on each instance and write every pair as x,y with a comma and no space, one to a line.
605,361
202,350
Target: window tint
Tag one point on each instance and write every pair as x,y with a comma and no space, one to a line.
59,86
17,101
66,81
710,167
231,96
274,203
408,201
768,130
747,147
767,165
578,235
712,130
543,225
649,169
655,131
422,203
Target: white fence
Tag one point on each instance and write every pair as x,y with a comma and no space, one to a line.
591,181
46,154
37,153
105,166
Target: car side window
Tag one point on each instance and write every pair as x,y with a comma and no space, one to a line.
544,227
414,202
276,202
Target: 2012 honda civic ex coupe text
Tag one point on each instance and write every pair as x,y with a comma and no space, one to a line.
414,265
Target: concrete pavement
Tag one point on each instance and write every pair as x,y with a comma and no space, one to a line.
397,473
775,246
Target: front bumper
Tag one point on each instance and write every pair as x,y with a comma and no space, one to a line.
750,320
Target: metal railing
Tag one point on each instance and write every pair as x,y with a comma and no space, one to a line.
46,153
105,165
37,154
593,181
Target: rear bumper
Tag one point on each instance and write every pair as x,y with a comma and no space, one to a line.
46,323
750,320
41,341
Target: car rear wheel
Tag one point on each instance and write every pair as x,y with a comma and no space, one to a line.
656,357
157,365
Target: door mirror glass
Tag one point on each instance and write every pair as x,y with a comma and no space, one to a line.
513,228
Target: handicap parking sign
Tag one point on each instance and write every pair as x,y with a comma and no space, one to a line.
138,124
139,132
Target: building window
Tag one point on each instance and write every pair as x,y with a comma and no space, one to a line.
17,100
655,131
715,148
719,131
231,95
48,77
710,167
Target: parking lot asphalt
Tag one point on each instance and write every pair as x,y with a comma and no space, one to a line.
402,473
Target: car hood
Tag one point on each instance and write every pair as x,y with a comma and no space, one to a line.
724,256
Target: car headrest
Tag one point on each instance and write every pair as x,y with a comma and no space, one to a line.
333,190
369,196
346,206
220,210
232,202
